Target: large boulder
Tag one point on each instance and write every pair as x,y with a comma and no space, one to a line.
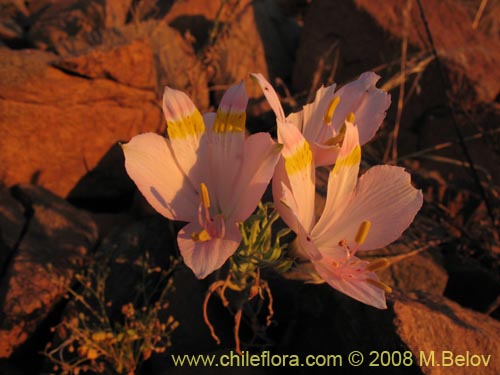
239,37
46,241
66,121
326,322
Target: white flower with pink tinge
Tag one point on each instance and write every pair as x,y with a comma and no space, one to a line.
359,214
205,173
322,121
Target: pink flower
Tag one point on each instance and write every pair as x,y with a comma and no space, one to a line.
363,214
205,173
321,122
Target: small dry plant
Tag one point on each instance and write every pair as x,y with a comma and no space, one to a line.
94,338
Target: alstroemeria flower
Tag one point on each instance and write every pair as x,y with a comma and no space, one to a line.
322,121
205,173
363,214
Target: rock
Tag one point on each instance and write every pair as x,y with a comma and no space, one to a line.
428,323
421,272
130,64
61,21
467,52
12,18
116,13
70,25
66,121
326,322
175,62
363,35
254,36
56,238
338,30
11,218
107,188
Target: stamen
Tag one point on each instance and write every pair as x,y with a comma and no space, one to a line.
205,199
350,117
378,264
379,284
338,139
363,230
201,236
331,110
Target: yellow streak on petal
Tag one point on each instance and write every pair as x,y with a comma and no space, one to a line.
186,126
201,236
331,110
379,284
363,231
350,118
353,158
205,198
299,160
226,122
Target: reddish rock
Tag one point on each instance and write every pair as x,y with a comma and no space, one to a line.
326,322
130,64
55,126
338,30
55,240
254,36
366,34
427,324
467,52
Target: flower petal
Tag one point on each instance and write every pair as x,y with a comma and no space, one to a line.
386,198
310,120
341,182
260,158
352,281
185,129
271,96
204,257
226,142
150,164
324,155
368,104
299,168
287,207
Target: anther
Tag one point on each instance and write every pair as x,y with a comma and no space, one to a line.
331,110
379,284
378,264
350,117
201,236
205,199
363,230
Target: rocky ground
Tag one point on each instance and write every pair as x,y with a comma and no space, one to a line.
77,77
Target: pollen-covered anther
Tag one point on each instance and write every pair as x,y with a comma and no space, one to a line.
205,198
363,231
350,118
327,119
378,264
201,236
379,284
